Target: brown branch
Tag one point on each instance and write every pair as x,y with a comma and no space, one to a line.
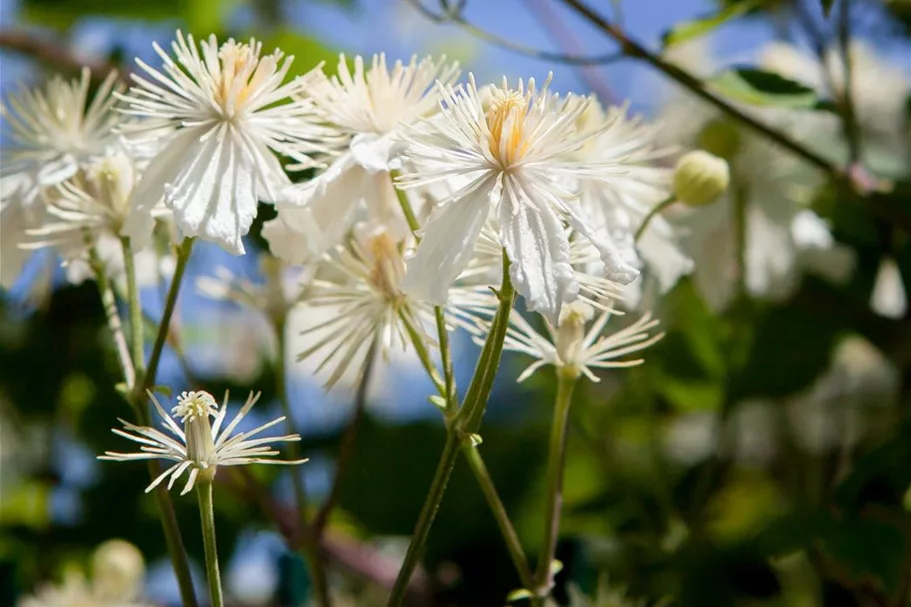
54,55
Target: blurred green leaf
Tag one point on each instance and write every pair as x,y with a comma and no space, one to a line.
687,30
758,87
202,17
308,52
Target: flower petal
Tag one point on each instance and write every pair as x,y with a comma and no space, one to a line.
448,241
538,248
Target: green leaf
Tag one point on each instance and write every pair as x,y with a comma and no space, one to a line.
308,52
688,30
757,87
201,16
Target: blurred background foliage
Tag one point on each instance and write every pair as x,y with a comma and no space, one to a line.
761,456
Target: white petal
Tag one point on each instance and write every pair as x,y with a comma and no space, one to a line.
376,153
538,248
214,195
619,263
448,241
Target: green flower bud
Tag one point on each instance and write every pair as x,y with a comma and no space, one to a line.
720,137
700,178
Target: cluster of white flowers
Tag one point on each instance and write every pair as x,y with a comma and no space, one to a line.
411,166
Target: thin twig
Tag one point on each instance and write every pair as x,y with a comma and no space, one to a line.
849,113
115,325
457,19
53,54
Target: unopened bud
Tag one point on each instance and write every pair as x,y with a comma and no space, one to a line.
700,178
118,570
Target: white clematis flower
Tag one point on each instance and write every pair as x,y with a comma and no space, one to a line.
370,108
516,152
224,112
53,132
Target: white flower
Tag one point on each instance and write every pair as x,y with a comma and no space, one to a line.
619,206
367,309
54,133
515,153
575,350
97,199
224,112
118,570
18,212
200,447
370,108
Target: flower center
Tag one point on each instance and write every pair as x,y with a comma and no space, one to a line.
571,333
233,81
194,409
388,265
506,121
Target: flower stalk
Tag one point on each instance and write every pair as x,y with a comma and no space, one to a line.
207,517
465,423
556,457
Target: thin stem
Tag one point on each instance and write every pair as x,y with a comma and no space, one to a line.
516,553
183,256
652,214
849,114
442,332
739,228
346,447
207,517
457,432
556,456
137,327
495,40
425,521
138,398
109,303
309,542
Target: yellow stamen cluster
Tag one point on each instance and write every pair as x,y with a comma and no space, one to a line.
195,405
506,120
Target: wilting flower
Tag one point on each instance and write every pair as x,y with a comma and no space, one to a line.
370,108
574,347
367,310
514,152
223,112
53,132
200,446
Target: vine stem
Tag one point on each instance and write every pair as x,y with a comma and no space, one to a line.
115,325
556,457
657,210
207,518
516,553
137,327
465,423
137,383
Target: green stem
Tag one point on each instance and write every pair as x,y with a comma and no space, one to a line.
171,530
651,215
137,327
442,333
183,256
207,517
739,227
457,432
849,113
556,456
309,543
516,553
109,303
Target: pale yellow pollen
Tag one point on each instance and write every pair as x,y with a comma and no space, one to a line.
195,405
506,111
237,62
388,266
